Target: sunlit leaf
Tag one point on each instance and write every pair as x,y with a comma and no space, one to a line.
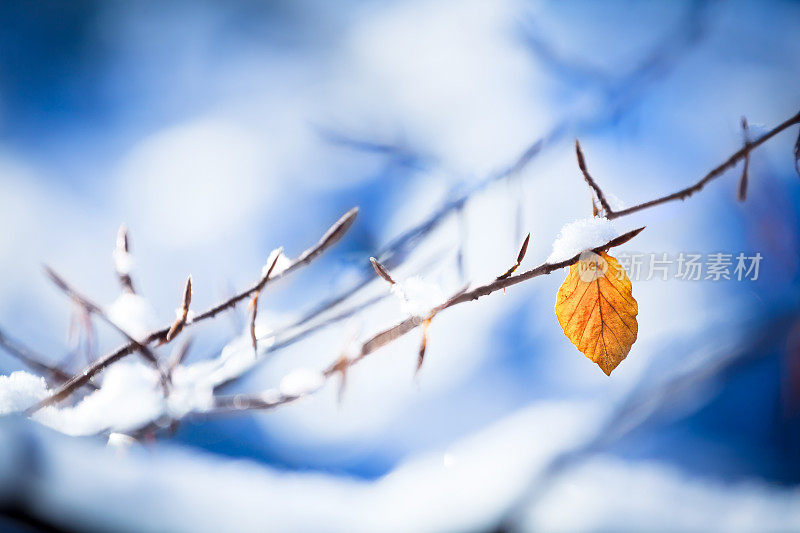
597,311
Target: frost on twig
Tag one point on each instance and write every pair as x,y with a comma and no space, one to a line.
100,313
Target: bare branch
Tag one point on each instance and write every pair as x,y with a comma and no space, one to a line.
121,256
596,188
393,333
330,237
341,366
389,335
423,345
254,301
100,313
381,271
742,191
520,257
180,354
83,377
250,402
714,173
33,360
177,326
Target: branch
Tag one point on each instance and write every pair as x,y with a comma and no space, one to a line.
589,180
520,256
180,322
254,302
83,377
713,174
331,236
122,260
99,312
741,194
33,360
242,402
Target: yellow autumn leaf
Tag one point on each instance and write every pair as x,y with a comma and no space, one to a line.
597,311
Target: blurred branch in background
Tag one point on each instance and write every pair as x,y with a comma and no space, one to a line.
618,96
33,360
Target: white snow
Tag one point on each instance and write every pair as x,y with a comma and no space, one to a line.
282,264
418,296
191,390
608,494
580,235
120,442
123,261
132,313
19,391
301,381
130,397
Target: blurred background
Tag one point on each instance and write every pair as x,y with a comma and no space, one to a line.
219,131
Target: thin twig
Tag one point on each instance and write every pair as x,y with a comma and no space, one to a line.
121,255
33,360
331,236
423,345
100,313
83,377
254,302
597,190
180,354
90,336
248,402
520,257
381,271
742,191
180,322
713,174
